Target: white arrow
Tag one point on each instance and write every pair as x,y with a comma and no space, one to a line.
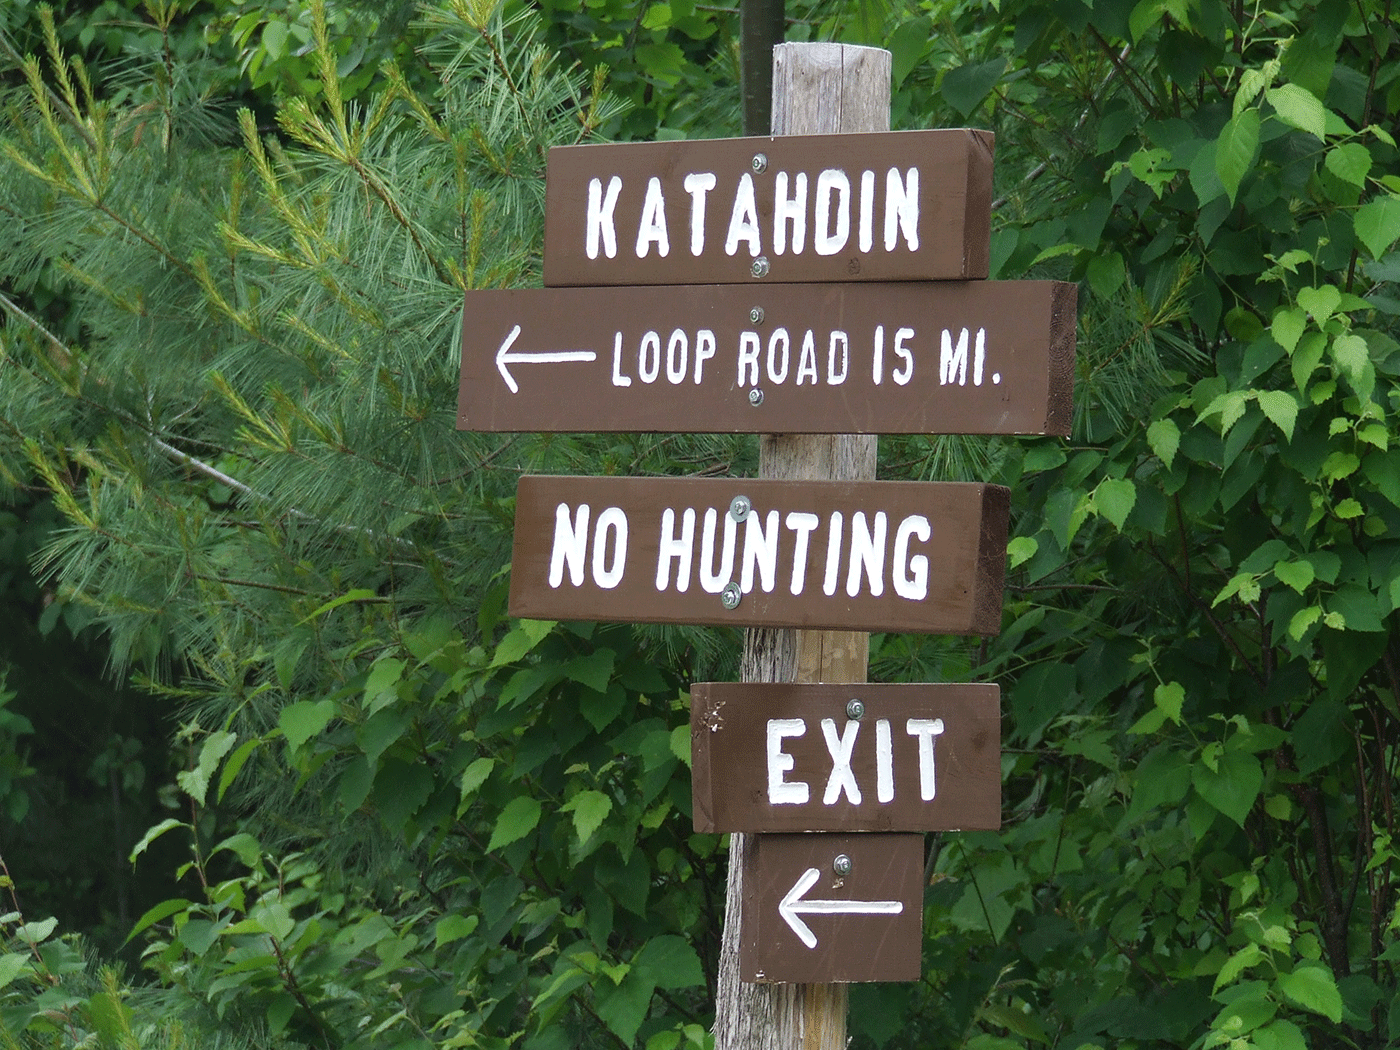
791,906
539,357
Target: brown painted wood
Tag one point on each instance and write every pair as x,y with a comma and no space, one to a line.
943,736
568,567
636,198
840,947
888,358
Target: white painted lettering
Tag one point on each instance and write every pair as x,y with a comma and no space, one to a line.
952,361
570,543
833,554
749,346
713,582
652,229
884,762
825,240
613,520
911,574
877,367
599,224
902,209
704,350
802,524
807,360
761,550
832,378
779,337
925,729
789,209
618,379
902,376
743,220
697,184
842,778
783,792
678,549
649,358
866,237
677,357
979,357
868,552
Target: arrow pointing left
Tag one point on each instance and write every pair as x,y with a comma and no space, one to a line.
539,357
792,906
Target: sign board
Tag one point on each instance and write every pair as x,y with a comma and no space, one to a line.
782,757
909,205
977,357
869,556
810,918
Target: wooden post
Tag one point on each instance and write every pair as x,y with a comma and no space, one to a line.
818,89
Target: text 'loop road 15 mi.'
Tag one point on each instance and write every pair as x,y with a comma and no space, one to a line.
969,357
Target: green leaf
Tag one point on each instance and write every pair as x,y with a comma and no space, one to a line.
154,833
36,932
670,962
1168,697
475,775
358,595
304,719
680,743
1281,408
965,87
1296,574
589,809
1232,786
454,927
1114,498
1313,988
1321,302
1021,549
195,782
517,820
1350,162
522,638
594,670
1279,1035
1377,224
235,764
1164,438
11,966
1234,150
624,1007
1300,108
163,910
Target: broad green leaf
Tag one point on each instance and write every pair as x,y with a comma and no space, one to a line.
1114,499
1168,697
624,1007
1296,574
454,927
304,719
235,764
680,744
163,910
1287,326
195,782
274,38
1021,549
518,819
38,931
1234,150
1350,162
593,670
1313,988
154,833
1321,302
1300,108
965,87
380,684
1377,224
1232,786
522,638
589,808
1279,1034
1164,438
11,965
475,775
358,595
1249,955
670,962
1281,408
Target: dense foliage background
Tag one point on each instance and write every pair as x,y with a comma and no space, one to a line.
255,580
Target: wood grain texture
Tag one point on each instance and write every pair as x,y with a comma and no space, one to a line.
817,89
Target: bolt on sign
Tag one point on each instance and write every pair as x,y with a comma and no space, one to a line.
768,757
975,357
910,205
832,908
870,556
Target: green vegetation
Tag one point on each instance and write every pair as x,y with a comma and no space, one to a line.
382,814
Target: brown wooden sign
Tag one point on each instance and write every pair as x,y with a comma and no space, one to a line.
910,205
782,757
820,909
871,556
977,357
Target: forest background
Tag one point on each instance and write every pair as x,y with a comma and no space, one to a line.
276,770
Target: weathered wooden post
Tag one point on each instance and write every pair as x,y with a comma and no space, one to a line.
818,89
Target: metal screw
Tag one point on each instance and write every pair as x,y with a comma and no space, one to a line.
729,597
841,865
759,267
855,710
760,163
755,397
739,508
756,315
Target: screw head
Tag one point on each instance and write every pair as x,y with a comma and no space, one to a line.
755,397
730,596
759,267
739,508
756,315
760,163
841,865
855,710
